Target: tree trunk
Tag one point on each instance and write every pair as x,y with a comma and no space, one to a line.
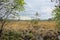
1,30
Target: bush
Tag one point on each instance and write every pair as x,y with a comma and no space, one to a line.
28,35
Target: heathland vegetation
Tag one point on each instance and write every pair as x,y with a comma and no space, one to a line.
27,30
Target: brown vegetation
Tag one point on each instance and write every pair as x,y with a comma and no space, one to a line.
44,29
27,24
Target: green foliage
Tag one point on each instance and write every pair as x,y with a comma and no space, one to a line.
9,7
57,13
57,16
16,4
19,4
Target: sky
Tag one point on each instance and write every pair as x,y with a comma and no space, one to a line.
43,7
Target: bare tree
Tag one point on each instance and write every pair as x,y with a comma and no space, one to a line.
36,15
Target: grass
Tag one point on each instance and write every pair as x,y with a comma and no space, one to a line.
27,30
25,24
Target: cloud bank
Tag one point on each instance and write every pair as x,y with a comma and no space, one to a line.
43,7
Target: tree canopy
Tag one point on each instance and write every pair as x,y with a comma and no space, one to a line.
10,7
56,12
7,8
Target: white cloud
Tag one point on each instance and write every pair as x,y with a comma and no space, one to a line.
44,7
21,18
47,9
25,18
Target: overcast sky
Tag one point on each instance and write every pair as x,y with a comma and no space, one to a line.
43,7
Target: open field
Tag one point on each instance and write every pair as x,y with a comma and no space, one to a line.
21,29
16,25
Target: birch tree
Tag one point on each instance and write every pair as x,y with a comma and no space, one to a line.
9,7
